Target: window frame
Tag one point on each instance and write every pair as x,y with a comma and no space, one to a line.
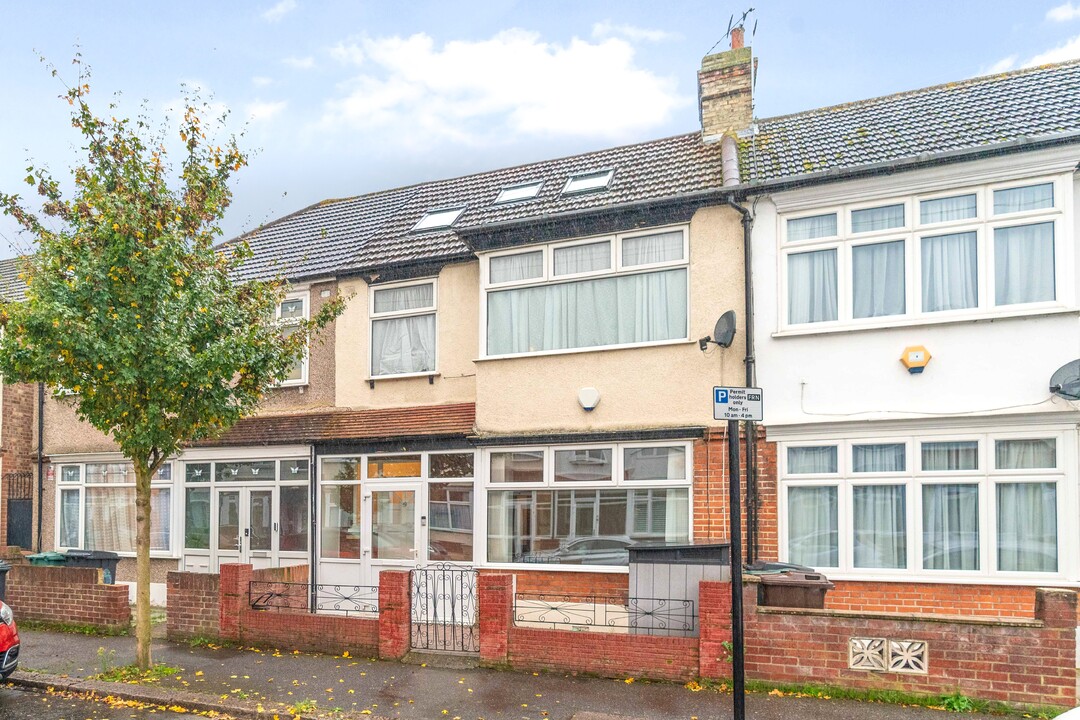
607,173
458,211
305,296
374,317
538,184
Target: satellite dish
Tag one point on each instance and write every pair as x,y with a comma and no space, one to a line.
1066,381
724,330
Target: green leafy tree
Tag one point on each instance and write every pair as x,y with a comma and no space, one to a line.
130,306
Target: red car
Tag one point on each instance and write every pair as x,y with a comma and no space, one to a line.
9,642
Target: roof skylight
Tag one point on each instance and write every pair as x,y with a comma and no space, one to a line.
583,182
513,193
435,219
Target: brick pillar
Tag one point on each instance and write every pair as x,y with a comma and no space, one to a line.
234,599
1056,608
714,620
395,613
496,612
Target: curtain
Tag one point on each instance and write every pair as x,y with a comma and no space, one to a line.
523,266
1024,264
400,299
403,345
808,228
950,527
939,210
880,520
950,272
583,258
69,518
1027,527
1032,197
878,458
878,279
296,372
879,218
812,287
589,313
110,519
1025,454
812,526
677,515
647,249
811,460
962,455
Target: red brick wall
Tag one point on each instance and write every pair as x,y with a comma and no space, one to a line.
307,631
194,605
571,583
69,595
1003,601
395,613
18,447
290,574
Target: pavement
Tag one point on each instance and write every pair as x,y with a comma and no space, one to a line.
20,704
252,683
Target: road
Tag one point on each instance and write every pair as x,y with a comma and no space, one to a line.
18,704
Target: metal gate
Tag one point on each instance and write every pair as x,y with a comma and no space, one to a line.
20,508
444,609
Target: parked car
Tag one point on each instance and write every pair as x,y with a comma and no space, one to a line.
600,550
9,642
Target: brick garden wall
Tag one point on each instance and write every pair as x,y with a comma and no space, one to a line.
69,595
1000,601
194,605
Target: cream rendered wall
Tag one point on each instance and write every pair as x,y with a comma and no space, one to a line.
456,348
647,387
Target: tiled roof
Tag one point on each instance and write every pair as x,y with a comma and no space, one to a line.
373,231
12,288
396,423
1030,103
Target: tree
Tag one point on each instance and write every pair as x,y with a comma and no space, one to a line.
131,308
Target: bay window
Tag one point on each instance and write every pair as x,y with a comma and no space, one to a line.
403,329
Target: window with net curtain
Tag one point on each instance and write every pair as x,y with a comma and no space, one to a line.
403,330
107,493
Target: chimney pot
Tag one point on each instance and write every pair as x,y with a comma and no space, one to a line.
736,37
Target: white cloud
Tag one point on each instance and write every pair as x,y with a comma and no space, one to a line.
259,111
300,63
347,54
1069,51
498,90
606,29
261,81
276,13
1063,13
1003,65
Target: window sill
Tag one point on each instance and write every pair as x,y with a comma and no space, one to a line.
923,321
409,376
291,384
1025,579
578,351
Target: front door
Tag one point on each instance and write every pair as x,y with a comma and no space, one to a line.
245,526
393,536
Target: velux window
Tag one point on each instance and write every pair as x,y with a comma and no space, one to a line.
438,219
403,329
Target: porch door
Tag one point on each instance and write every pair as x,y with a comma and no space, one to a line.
245,525
393,536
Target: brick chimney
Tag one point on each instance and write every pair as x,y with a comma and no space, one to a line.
725,91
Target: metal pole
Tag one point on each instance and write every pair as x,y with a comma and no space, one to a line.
735,514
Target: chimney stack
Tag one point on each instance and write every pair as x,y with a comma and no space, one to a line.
725,90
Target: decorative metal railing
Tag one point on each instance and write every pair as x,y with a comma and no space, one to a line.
336,599
635,615
445,608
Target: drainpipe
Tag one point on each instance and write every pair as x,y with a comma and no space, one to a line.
40,460
313,512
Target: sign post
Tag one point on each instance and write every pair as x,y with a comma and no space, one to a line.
733,405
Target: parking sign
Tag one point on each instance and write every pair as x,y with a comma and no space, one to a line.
736,403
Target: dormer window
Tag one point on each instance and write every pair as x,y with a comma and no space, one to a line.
436,219
517,193
587,182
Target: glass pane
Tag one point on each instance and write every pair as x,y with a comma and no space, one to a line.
808,228
648,249
588,181
812,287
197,472
879,218
261,519
1027,527
341,470
160,519
878,280
450,465
438,219
1025,454
229,520
654,463
507,467
403,345
511,268
293,519
402,466
1031,197
879,458
163,474
950,521
626,309
340,525
1024,264
296,372
70,473
450,521
950,272
947,456
292,309
69,518
393,525
518,192
960,207
880,522
583,258
812,460
812,526
197,518
248,471
294,470
584,465
109,520
399,299
111,473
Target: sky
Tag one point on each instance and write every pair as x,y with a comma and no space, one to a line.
338,98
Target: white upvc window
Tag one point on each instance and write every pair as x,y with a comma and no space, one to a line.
618,290
290,312
991,250
404,329
95,508
966,505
